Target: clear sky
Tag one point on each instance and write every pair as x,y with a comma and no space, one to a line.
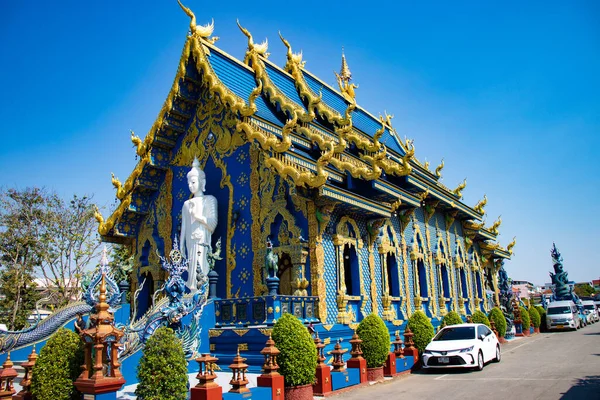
508,93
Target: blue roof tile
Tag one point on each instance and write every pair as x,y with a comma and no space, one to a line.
285,84
241,81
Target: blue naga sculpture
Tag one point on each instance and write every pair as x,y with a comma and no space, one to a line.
562,290
39,331
505,295
170,310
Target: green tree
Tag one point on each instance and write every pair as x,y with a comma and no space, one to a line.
21,213
162,370
121,262
584,290
422,328
375,340
69,244
497,316
451,318
298,358
57,367
479,317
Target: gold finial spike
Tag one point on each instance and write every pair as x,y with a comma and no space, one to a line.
345,73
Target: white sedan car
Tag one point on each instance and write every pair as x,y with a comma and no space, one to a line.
465,345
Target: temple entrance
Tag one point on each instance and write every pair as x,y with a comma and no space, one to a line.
284,273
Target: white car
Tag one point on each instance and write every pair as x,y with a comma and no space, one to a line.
464,345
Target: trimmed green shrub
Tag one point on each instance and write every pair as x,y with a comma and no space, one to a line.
421,326
452,318
525,319
298,358
535,317
479,318
375,340
542,311
58,366
498,317
162,370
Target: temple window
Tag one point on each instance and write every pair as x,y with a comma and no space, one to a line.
351,271
393,280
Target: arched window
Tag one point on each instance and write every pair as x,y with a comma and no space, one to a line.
392,275
351,271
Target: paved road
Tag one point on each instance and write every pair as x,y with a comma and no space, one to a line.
561,365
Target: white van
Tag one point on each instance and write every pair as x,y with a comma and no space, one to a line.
590,311
563,315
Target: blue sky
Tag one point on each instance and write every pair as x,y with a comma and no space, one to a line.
507,93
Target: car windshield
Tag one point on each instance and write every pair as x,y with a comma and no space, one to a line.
589,307
559,310
458,333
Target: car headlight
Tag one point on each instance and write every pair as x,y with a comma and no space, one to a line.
427,352
468,349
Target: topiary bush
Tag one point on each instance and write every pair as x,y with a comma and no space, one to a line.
162,370
452,318
58,366
535,317
498,317
525,319
376,340
298,358
420,325
542,311
480,318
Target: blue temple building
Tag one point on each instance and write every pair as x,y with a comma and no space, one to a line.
359,225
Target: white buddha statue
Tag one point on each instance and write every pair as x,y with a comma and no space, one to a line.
198,222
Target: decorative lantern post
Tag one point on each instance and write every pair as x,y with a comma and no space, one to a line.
7,374
25,393
101,377
206,389
238,380
409,350
322,383
338,359
398,350
357,360
389,369
270,377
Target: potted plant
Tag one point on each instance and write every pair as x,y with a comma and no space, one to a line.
480,318
162,370
452,318
298,358
375,345
525,320
422,329
542,311
499,321
58,366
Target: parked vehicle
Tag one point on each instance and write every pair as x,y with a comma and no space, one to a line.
465,345
591,311
563,315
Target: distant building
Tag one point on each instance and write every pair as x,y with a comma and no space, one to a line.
523,289
596,285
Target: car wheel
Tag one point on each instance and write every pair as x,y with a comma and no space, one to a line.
498,355
479,361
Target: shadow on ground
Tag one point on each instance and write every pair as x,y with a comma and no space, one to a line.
586,388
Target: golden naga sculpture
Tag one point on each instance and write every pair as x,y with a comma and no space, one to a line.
511,245
270,142
496,225
422,196
202,31
458,191
479,206
260,49
426,165
116,182
98,215
303,177
295,58
141,147
438,170
343,80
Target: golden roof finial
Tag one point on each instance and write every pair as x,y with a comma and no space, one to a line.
345,73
